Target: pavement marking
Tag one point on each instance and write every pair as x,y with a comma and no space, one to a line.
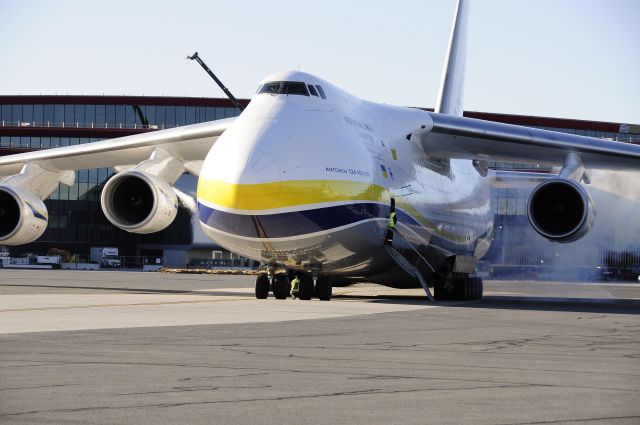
121,305
65,312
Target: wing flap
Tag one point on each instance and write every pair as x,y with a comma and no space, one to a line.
188,143
452,137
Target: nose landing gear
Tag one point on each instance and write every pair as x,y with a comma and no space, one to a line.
278,283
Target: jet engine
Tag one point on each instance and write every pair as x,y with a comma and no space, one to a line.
561,210
23,216
139,202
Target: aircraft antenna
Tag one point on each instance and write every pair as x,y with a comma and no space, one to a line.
218,82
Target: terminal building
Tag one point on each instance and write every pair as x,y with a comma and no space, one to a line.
76,221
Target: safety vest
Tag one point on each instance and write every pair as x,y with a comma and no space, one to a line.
295,284
392,220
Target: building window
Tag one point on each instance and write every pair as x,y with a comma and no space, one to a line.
69,116
79,118
17,113
111,115
38,114
120,116
180,116
27,113
101,115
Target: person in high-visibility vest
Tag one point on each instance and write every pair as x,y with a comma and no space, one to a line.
295,287
391,223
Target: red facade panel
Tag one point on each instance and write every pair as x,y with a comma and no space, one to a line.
118,100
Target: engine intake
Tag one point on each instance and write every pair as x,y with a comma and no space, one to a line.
139,202
23,216
561,210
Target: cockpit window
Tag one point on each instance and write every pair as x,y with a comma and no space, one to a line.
313,91
284,87
321,92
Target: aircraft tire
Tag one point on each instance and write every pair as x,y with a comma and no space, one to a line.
262,286
467,288
306,287
281,286
323,288
445,288
479,288
460,285
439,291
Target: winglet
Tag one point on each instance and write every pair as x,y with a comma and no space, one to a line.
452,86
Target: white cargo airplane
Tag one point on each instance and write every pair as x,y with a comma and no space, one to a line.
305,178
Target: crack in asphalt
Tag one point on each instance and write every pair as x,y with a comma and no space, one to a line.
561,421
37,387
412,365
198,388
253,353
242,375
376,391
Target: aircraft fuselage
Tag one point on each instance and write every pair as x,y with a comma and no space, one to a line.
304,180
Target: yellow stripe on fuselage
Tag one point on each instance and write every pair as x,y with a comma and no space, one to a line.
291,193
265,196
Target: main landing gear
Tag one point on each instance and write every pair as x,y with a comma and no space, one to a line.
457,287
280,286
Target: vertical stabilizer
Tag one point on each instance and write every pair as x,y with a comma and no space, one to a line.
452,86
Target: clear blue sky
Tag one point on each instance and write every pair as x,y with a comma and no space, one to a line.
562,58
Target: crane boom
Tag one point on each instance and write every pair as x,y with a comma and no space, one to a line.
218,82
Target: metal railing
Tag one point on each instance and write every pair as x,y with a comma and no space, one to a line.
411,253
408,254
217,263
77,124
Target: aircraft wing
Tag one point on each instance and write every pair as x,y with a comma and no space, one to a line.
448,137
188,144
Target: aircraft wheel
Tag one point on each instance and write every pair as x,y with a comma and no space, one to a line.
478,288
467,288
281,286
262,286
323,288
442,290
306,287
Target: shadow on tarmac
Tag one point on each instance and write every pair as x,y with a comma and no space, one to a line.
539,303
136,290
585,305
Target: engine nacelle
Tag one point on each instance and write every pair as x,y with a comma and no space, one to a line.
139,202
561,210
23,216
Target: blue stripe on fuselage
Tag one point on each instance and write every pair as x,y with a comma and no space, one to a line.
296,223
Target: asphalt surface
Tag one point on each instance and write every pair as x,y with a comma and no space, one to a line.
530,353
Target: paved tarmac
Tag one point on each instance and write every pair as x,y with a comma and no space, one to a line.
117,347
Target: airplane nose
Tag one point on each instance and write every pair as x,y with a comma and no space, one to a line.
261,166
240,172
